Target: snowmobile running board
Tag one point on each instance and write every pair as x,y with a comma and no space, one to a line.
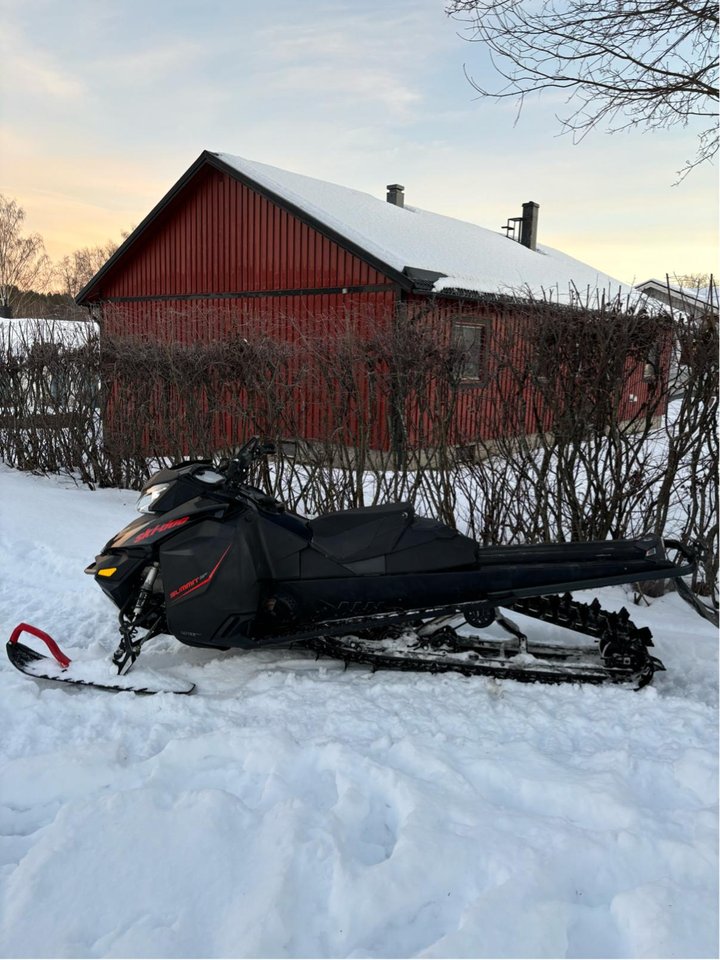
60,669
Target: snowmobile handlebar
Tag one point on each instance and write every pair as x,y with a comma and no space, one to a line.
237,468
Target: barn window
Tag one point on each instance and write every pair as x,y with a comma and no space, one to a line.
470,337
652,364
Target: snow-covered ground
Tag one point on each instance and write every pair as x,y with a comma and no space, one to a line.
290,809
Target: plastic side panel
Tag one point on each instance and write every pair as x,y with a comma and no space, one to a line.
209,579
441,553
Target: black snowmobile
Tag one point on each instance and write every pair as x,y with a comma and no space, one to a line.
218,563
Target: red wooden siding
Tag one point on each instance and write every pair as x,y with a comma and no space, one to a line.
496,406
282,318
188,276
221,258
219,236
479,408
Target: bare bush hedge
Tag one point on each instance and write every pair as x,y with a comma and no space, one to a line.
553,448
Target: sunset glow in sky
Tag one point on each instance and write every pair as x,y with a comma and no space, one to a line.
104,104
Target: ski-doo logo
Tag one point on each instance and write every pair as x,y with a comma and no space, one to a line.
160,528
200,581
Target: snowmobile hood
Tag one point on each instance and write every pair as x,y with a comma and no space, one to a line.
149,528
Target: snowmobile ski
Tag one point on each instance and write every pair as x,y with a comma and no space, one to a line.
58,668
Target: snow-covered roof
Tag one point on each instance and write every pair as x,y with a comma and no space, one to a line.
686,299
472,258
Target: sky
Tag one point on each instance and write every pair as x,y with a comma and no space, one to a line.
105,103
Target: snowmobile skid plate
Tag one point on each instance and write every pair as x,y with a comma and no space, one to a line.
60,669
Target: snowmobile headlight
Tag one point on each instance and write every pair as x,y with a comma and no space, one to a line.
149,497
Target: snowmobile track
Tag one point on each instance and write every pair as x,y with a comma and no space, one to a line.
621,655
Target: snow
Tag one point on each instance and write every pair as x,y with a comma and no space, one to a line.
472,257
292,809
684,302
696,296
18,332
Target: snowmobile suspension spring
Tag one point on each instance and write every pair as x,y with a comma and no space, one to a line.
145,589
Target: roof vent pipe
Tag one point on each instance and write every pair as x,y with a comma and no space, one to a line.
396,194
528,232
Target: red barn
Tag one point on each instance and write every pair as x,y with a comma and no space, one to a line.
234,238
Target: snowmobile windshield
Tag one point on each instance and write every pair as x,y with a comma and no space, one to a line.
149,497
210,476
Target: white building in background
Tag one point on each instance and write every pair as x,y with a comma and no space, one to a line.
685,302
692,301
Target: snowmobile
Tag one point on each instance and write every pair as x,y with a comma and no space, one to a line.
217,562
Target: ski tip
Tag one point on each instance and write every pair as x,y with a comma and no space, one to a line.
54,649
39,667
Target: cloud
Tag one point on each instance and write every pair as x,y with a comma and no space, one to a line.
76,201
347,84
35,71
375,61
105,106
138,67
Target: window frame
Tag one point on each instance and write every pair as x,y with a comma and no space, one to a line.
475,323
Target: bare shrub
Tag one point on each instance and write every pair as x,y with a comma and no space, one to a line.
566,438
51,400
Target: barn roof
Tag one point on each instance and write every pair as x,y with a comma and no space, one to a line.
471,257
424,250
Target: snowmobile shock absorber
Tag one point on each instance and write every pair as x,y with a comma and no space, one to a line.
145,590
128,649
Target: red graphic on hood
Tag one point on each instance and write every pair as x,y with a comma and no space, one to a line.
200,581
160,528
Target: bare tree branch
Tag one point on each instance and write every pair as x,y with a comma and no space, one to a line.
23,263
624,63
78,268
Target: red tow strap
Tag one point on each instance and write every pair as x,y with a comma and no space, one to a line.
46,639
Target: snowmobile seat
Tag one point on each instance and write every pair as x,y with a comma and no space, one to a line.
352,535
390,539
333,524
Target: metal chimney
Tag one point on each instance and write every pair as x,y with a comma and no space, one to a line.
528,230
396,194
